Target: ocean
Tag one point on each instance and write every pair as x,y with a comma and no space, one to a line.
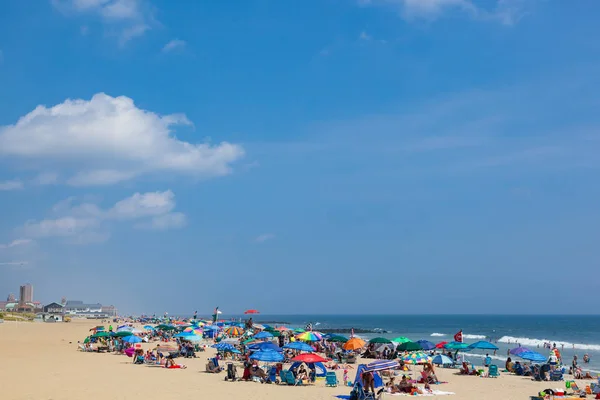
573,335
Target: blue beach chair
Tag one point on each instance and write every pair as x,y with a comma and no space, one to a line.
493,371
331,379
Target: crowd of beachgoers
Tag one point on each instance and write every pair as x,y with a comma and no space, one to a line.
249,351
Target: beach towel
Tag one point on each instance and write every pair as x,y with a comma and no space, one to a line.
431,394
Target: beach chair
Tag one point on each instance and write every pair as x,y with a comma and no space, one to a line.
231,372
291,380
556,375
493,371
331,379
273,375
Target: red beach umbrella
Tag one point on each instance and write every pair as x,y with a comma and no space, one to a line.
251,311
309,358
441,345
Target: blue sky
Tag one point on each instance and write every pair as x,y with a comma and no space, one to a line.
390,156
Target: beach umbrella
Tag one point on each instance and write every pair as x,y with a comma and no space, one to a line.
267,356
164,327
380,340
532,356
86,340
192,338
125,328
309,358
265,346
381,365
234,331
456,346
263,335
518,350
426,344
100,334
273,332
354,344
441,359
132,339
282,329
230,340
299,330
223,347
309,336
441,345
483,345
401,339
409,346
301,346
251,311
337,338
148,328
416,358
122,333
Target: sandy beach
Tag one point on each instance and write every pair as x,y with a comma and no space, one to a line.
41,361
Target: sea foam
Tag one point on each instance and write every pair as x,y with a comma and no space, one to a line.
468,336
438,334
540,343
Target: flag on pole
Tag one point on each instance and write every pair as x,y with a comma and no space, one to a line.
216,314
352,334
458,337
308,327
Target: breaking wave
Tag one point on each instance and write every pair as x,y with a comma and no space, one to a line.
540,343
438,334
468,336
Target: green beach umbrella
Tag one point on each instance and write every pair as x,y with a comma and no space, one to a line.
122,333
401,339
338,338
273,332
100,335
86,340
409,346
380,340
299,330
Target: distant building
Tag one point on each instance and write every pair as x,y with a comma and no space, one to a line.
54,308
79,308
111,311
11,298
26,294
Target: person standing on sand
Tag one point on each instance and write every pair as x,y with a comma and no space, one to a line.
368,381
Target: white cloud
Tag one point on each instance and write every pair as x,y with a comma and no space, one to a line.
364,36
15,243
131,18
505,11
14,263
111,140
264,237
173,45
89,223
46,178
11,185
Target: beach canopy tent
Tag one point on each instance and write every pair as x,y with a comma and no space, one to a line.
354,344
532,356
301,346
409,346
267,356
381,365
441,359
378,340
426,344
263,335
518,350
483,345
265,346
320,370
401,339
309,358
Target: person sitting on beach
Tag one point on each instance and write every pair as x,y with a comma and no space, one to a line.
509,365
171,364
302,373
429,374
404,386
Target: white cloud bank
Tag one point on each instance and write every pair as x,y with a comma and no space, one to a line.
173,45
87,222
110,140
264,237
11,185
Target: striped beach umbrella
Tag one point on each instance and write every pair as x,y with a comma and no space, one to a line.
381,365
234,331
416,358
309,336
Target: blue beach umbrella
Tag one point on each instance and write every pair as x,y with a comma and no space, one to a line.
456,346
265,346
441,359
132,339
224,347
148,328
267,356
532,356
299,346
483,345
426,344
263,335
